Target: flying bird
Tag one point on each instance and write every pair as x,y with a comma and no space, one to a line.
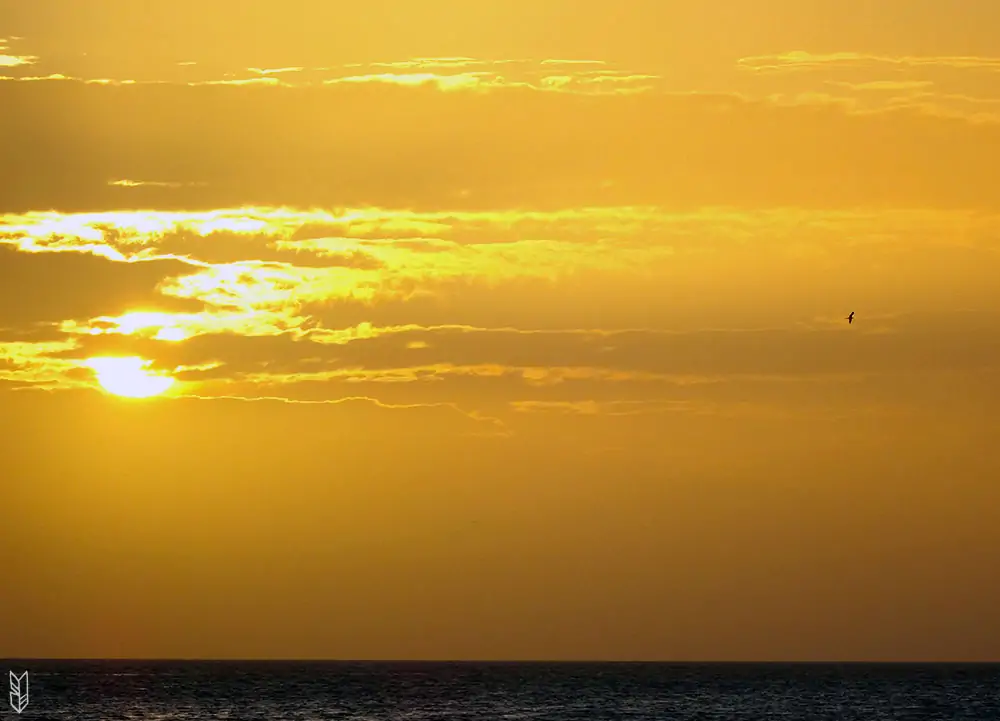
850,318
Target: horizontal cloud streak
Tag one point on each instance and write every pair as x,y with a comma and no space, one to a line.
445,74
420,148
801,60
965,341
10,60
51,287
271,270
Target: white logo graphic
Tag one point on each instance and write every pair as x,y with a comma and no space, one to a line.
19,691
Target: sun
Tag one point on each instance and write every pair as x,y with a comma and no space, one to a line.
128,377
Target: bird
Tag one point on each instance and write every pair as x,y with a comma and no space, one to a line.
850,318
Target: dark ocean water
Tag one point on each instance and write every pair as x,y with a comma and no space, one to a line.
158,691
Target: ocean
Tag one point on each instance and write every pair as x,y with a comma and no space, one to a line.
373,691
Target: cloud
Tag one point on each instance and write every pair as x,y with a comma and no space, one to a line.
501,378
125,183
207,421
799,60
270,270
435,63
573,62
449,362
367,411
9,60
266,82
13,61
49,287
594,408
419,148
444,74
52,77
497,75
274,71
444,82
885,85
34,365
951,105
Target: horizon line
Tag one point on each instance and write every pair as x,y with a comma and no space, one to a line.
678,662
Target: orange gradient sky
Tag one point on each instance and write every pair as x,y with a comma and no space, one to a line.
500,330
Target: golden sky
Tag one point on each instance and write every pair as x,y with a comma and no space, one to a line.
500,329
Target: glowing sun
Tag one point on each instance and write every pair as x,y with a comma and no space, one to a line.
128,377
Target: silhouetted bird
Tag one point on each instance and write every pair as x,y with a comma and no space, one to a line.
850,318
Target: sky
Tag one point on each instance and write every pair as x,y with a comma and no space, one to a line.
427,329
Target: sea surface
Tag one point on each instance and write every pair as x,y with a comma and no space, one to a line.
274,691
